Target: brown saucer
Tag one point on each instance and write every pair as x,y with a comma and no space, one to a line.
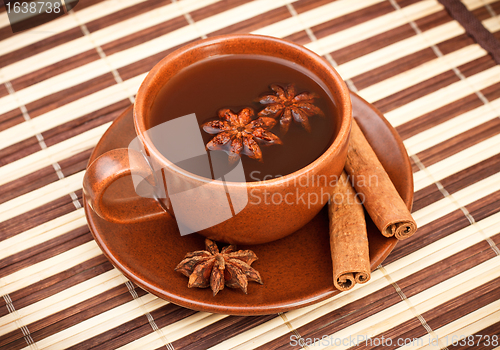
296,270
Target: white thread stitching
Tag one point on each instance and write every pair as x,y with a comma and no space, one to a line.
189,19
101,53
410,305
41,141
150,318
24,329
313,38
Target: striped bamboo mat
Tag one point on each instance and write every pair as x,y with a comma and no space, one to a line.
62,84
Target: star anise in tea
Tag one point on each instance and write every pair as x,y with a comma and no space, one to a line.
286,105
215,269
238,133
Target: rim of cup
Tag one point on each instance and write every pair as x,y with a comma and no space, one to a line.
151,86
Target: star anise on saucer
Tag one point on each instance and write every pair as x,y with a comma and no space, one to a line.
238,133
215,269
286,105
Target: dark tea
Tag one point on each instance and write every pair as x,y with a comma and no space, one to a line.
236,82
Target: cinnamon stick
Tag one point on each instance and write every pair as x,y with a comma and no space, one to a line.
348,237
380,197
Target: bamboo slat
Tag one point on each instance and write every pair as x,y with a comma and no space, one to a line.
99,324
62,300
459,161
70,111
465,326
399,49
492,24
474,4
51,155
49,267
63,24
452,127
421,303
373,27
422,73
41,196
97,38
444,96
316,16
42,233
458,199
175,331
4,20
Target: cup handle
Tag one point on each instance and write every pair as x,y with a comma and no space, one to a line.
110,167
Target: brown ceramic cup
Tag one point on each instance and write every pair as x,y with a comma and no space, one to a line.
253,221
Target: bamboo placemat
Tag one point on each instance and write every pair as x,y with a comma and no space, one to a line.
62,83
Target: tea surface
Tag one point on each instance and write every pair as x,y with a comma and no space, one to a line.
237,81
